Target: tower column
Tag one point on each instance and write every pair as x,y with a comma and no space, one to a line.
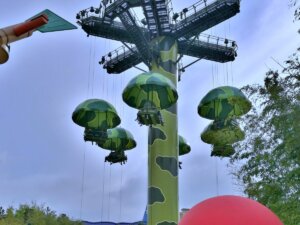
163,144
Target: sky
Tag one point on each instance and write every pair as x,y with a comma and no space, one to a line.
43,158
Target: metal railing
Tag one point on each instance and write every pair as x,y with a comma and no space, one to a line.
186,12
210,39
121,51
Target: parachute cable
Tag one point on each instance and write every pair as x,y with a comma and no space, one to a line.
93,67
109,192
120,212
217,176
82,183
103,186
89,71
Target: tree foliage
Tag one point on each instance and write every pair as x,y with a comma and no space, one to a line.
269,158
33,215
295,4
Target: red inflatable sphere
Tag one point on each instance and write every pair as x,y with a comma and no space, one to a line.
230,210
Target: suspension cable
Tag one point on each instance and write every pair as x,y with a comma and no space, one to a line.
120,212
82,183
89,71
231,73
122,103
212,74
93,65
217,176
227,73
103,186
109,192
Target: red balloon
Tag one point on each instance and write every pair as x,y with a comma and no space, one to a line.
230,210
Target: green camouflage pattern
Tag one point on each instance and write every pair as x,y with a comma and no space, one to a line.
118,139
224,102
163,144
152,88
222,150
149,116
94,135
184,147
96,113
116,157
222,132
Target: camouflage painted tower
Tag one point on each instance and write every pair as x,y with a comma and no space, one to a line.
159,41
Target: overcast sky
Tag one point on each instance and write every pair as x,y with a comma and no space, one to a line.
48,75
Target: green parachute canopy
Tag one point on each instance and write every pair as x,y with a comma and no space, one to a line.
150,92
222,150
118,139
96,113
152,88
222,132
224,102
184,147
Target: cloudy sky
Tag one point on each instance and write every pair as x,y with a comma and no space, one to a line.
42,153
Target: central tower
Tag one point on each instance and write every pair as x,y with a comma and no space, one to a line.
163,144
159,41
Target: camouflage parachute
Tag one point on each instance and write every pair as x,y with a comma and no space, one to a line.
184,147
224,102
222,132
96,113
118,139
152,88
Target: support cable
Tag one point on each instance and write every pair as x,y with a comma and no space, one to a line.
231,73
82,183
93,68
114,91
227,73
107,78
217,177
217,75
190,64
103,186
138,68
212,74
120,212
103,74
109,192
89,71
122,103
224,73
229,33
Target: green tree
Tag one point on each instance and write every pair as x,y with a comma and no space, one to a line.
34,215
9,218
269,158
2,212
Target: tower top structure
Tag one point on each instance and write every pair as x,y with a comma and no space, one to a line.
115,20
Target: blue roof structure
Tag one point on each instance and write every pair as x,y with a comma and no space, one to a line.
144,222
111,223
